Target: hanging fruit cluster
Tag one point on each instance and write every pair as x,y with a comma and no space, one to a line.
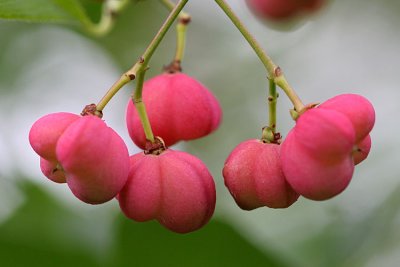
316,160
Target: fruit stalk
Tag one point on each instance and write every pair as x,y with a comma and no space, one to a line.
274,72
141,109
272,100
143,61
181,28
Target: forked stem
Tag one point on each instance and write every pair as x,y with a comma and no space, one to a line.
143,61
274,72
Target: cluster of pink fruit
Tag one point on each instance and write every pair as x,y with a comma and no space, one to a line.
170,186
316,160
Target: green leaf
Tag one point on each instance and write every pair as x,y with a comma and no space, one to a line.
50,11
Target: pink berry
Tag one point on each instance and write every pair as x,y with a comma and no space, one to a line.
282,9
46,131
254,176
358,110
52,170
325,134
310,175
174,188
178,107
362,149
94,158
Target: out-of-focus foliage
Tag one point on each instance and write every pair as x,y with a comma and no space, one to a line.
50,11
44,232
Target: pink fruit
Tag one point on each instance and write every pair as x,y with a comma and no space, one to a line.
254,176
358,110
362,149
52,170
325,134
178,107
310,176
45,132
282,9
94,158
174,188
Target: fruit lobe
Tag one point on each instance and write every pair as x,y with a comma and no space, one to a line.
174,188
94,158
179,108
46,131
311,176
357,109
254,176
362,149
52,170
325,134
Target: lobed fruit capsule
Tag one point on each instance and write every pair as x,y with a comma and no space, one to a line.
254,176
174,188
46,131
83,152
179,108
319,153
283,9
94,158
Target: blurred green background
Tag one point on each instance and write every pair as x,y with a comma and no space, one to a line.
350,46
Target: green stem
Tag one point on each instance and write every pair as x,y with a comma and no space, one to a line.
274,72
268,133
124,79
272,100
140,107
143,61
181,29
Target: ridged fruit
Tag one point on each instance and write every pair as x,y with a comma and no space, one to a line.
253,174
179,108
83,152
174,188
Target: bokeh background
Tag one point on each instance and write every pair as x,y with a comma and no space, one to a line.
350,46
